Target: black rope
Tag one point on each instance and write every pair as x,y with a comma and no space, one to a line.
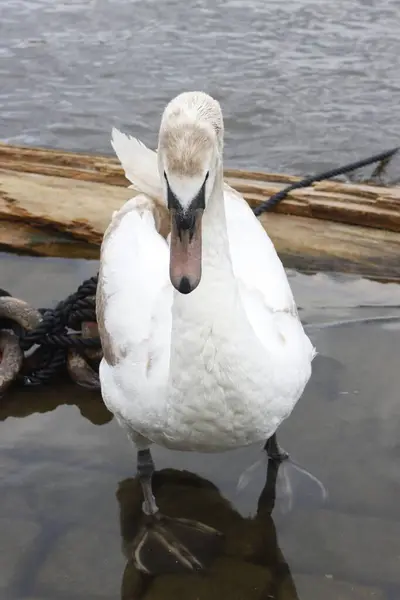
52,332
383,157
59,329
57,333
52,364
67,314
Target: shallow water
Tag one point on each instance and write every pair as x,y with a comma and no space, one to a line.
69,506
304,84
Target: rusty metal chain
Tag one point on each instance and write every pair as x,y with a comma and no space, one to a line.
38,345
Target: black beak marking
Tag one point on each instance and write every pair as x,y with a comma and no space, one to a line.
184,286
186,219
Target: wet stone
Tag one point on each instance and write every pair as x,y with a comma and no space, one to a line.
83,563
228,578
327,588
350,548
17,539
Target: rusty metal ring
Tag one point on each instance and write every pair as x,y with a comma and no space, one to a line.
79,370
20,312
11,358
90,330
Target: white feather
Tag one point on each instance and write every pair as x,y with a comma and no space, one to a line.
255,261
138,162
219,368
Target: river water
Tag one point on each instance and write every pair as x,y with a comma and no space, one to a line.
70,507
303,85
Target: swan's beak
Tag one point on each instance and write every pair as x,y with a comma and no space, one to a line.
185,249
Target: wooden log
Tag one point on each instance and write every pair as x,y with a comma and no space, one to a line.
366,205
312,245
55,203
99,167
81,209
22,238
67,230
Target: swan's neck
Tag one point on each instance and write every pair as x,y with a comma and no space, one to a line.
218,287
216,258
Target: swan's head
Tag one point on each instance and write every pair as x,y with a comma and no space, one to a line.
190,161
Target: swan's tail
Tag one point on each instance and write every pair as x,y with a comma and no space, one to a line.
139,164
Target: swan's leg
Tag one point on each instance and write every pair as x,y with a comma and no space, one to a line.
291,475
166,544
274,451
145,467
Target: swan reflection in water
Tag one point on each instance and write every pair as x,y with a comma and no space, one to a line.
245,563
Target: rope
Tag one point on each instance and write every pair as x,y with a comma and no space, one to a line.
71,312
54,335
383,158
59,329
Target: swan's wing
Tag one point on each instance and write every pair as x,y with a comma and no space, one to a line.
134,292
255,262
264,287
139,163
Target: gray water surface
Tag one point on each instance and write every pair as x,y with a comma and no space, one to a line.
304,84
70,507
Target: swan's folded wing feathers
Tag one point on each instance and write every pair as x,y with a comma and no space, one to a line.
262,280
133,275
139,163
255,262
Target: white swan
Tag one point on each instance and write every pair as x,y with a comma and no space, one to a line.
203,348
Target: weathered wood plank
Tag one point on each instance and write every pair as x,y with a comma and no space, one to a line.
76,223
19,237
315,245
79,208
55,203
366,205
17,158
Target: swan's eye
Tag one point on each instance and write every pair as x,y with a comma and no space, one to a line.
165,177
206,177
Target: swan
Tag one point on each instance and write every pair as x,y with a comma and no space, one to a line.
203,349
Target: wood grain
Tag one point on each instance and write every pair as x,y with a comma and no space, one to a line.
56,203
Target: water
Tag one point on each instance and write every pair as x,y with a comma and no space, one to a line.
69,506
304,84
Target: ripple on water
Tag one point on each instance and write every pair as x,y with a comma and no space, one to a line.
297,79
70,508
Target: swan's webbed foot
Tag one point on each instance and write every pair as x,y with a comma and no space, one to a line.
168,545
292,477
171,545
